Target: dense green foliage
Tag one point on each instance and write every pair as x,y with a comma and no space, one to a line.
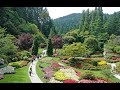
75,50
7,48
66,23
35,46
49,48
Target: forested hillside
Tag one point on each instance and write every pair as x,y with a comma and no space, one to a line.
66,23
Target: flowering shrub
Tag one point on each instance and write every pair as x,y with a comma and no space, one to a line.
47,70
60,76
52,80
102,63
48,75
65,61
70,81
70,73
85,81
54,55
55,65
78,73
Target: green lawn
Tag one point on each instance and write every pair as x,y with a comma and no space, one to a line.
21,76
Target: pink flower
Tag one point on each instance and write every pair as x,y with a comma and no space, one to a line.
70,81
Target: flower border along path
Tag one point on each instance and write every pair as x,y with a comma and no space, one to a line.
34,77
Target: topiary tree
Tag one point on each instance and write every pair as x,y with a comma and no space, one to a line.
35,46
49,48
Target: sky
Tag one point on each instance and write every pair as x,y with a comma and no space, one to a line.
56,12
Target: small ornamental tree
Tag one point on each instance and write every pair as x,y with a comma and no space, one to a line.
49,48
57,42
25,41
35,46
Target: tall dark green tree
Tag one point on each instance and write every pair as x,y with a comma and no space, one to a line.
49,48
35,46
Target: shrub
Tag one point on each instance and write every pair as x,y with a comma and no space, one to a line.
76,62
25,41
8,70
70,81
117,49
15,64
53,80
18,64
88,75
23,55
95,56
70,73
47,69
118,68
94,62
60,76
102,63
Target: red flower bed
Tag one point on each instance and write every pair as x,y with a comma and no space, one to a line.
47,70
70,81
78,73
55,65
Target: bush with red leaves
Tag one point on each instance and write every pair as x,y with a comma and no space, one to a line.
25,41
70,81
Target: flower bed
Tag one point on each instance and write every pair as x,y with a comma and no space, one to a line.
70,81
60,76
53,80
92,81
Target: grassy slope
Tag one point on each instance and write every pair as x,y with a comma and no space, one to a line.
21,76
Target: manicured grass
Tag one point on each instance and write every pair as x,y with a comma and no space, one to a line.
21,76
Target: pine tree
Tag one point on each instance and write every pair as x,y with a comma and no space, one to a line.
82,20
49,48
35,46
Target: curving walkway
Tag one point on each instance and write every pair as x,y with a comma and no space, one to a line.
113,66
34,77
